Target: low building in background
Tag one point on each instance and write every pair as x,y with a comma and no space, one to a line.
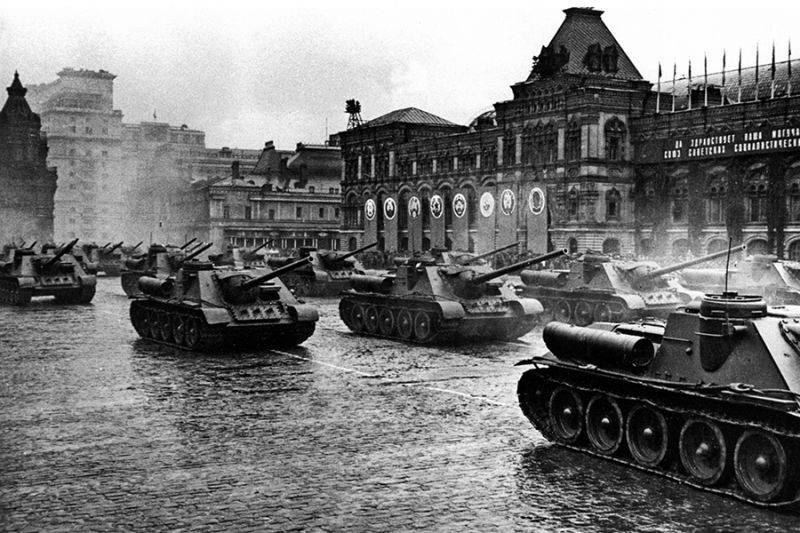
290,197
28,185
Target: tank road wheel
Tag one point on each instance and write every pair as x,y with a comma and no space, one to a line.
155,319
566,415
703,451
405,324
178,325
583,313
139,320
385,321
760,464
602,313
193,334
604,424
647,434
562,312
371,322
357,318
423,326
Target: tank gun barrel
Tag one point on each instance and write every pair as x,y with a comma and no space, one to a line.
685,264
137,245
191,249
275,273
516,266
187,243
113,247
487,254
357,251
106,245
257,248
31,246
60,253
197,251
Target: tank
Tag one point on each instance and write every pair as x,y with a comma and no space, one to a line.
159,261
26,274
236,257
777,281
109,259
426,302
328,273
599,288
709,398
206,308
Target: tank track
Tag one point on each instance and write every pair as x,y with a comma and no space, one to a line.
538,384
593,308
430,327
187,329
11,294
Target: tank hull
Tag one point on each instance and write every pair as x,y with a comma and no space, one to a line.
110,268
187,328
426,321
130,282
309,284
20,291
562,401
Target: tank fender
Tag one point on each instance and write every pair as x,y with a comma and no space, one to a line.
527,306
451,310
216,316
303,313
25,281
88,281
633,301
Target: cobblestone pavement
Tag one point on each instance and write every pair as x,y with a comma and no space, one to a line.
102,431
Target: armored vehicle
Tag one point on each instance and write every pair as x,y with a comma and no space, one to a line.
429,302
129,251
710,398
159,261
238,258
206,308
109,259
327,274
26,274
777,281
599,288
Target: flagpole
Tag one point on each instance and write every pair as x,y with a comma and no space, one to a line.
674,71
689,86
705,80
658,93
756,98
722,92
740,76
772,74
789,71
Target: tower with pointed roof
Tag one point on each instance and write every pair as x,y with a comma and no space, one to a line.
28,184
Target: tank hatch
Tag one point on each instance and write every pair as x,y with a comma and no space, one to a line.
732,305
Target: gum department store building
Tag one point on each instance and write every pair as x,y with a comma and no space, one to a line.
588,155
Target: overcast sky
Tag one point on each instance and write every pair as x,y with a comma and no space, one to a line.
247,72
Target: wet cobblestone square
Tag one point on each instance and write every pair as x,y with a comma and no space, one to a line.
102,431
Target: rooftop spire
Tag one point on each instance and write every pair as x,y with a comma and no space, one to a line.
16,88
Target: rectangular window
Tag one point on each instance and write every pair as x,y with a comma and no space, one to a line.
321,212
336,213
299,212
248,212
226,211
271,214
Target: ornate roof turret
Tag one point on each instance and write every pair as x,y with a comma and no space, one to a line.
16,88
16,106
584,45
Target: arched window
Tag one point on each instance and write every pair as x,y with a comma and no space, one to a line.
757,247
527,147
757,202
794,202
572,245
573,205
573,142
680,248
794,251
645,247
352,244
715,210
426,244
615,139
680,197
613,204
551,139
611,246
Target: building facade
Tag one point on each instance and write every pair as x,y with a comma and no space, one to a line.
28,185
291,197
586,155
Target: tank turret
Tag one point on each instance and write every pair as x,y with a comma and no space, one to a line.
60,252
237,289
338,256
194,253
710,398
328,273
